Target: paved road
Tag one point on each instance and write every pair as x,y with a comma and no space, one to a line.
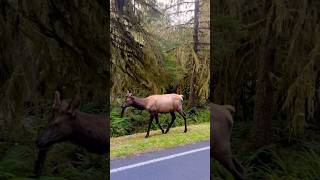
189,162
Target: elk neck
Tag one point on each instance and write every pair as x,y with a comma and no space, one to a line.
139,103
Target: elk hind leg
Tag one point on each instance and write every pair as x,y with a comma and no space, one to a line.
157,121
225,159
185,120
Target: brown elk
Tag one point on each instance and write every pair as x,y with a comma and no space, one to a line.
154,104
221,128
87,130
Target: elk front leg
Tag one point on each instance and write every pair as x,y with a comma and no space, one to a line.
39,162
157,121
150,122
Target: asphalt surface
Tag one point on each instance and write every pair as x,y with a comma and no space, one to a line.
189,162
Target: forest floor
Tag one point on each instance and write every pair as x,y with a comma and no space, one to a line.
137,143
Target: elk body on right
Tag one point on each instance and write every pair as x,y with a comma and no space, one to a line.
221,129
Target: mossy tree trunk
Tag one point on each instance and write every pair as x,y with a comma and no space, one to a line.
264,90
192,94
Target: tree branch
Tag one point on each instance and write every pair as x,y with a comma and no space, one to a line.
169,7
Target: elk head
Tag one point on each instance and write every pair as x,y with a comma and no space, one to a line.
128,102
62,126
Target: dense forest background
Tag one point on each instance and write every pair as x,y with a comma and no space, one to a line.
47,46
266,62
154,51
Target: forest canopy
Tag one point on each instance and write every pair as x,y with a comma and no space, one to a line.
151,54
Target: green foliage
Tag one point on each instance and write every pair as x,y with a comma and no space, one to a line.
174,72
238,32
227,38
64,161
284,159
218,172
296,163
120,126
14,164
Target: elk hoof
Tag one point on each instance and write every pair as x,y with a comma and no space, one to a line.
146,136
185,130
162,131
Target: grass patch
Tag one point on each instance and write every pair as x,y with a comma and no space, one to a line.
136,143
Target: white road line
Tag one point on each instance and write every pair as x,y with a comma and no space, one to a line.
158,159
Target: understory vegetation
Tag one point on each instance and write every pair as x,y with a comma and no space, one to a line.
283,159
64,162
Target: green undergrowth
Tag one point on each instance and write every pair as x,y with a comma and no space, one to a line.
64,161
284,159
136,143
136,121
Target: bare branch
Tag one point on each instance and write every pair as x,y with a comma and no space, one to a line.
191,10
169,7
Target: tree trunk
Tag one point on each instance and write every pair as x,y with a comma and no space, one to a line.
264,90
317,103
192,94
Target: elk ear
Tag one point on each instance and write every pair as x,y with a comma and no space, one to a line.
57,100
74,104
128,93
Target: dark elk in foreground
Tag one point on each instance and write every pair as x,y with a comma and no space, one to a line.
87,130
154,104
221,128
